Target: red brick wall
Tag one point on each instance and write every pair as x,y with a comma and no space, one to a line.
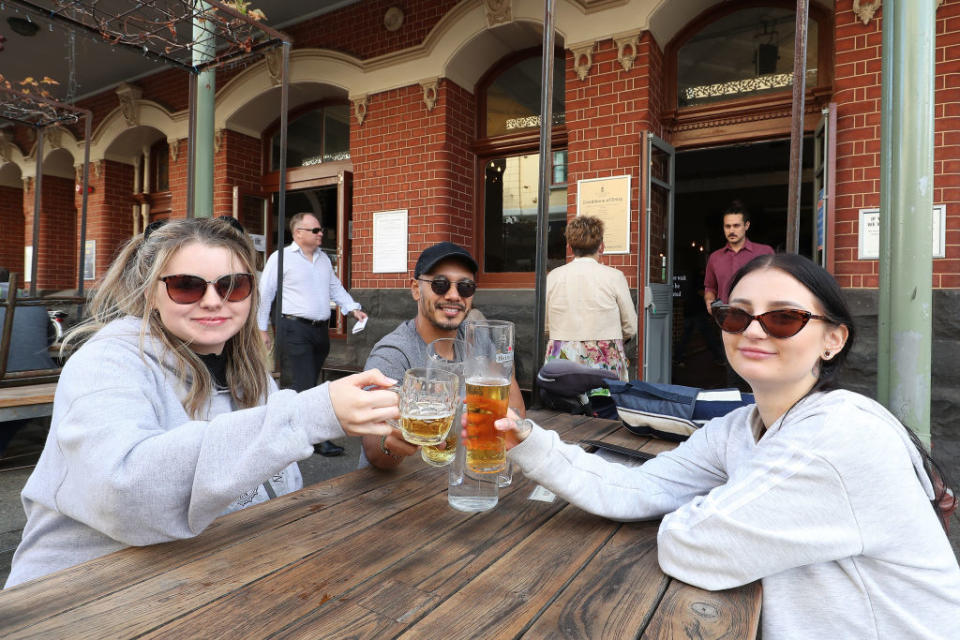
359,31
109,213
607,113
406,157
57,253
178,179
11,222
857,94
238,163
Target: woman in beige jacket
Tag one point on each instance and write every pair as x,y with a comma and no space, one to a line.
589,309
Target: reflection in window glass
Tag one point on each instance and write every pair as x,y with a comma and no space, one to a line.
746,53
321,135
513,99
510,214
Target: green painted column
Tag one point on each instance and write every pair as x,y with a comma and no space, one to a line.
203,51
906,206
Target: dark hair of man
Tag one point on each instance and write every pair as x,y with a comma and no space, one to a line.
825,289
737,208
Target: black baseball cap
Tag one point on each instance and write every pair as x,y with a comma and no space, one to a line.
441,251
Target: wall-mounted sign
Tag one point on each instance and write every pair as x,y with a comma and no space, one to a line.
609,200
90,260
27,263
390,241
869,233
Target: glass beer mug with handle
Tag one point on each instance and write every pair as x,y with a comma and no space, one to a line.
488,369
447,354
428,402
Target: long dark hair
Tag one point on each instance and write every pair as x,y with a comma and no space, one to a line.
825,289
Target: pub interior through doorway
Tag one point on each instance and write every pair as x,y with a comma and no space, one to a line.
707,181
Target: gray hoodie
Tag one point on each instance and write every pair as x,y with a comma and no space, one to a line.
125,465
830,509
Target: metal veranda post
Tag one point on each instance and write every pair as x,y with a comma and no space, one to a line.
543,199
203,51
796,126
906,212
87,132
37,204
281,202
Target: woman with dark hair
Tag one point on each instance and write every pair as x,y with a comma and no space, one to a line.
167,417
820,493
589,309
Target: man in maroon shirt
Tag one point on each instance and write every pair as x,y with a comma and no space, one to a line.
725,262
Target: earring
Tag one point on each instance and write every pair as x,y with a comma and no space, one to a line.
826,354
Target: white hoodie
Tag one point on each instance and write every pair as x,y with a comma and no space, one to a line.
125,465
830,509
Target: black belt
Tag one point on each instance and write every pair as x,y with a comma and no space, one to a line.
312,323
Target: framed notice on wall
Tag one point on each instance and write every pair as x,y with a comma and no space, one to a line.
90,260
868,234
390,241
609,200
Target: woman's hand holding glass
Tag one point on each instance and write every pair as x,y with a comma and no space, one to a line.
362,412
514,428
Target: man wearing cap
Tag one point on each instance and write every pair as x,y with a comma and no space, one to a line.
443,284
309,285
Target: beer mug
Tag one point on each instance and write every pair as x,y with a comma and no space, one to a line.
428,402
488,369
446,354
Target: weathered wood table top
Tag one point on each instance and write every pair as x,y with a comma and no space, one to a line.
374,554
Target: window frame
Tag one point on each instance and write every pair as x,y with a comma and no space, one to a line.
693,119
513,144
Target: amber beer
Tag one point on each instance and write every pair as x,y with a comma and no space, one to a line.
431,454
487,400
426,423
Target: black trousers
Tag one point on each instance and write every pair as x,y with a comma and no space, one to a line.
305,348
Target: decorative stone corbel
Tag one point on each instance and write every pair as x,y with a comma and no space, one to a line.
498,11
865,12
53,137
174,146
129,95
627,50
97,167
274,59
430,93
217,140
28,183
360,108
6,147
583,59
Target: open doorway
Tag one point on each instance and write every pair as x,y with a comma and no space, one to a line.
707,181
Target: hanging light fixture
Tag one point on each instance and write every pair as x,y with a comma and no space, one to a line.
26,28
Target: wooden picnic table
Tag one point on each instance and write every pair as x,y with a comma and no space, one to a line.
374,554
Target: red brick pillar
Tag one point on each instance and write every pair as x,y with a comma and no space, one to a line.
56,250
11,222
236,163
109,213
607,113
409,156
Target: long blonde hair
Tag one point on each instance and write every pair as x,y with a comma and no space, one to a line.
129,289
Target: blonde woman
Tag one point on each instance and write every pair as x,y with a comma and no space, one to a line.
167,416
589,309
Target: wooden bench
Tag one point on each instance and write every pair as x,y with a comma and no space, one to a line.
27,401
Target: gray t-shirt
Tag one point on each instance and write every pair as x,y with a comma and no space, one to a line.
394,353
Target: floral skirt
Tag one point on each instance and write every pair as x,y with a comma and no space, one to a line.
598,354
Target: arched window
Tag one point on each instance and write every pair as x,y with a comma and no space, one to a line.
317,136
736,53
509,157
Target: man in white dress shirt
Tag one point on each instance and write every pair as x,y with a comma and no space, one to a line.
309,285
